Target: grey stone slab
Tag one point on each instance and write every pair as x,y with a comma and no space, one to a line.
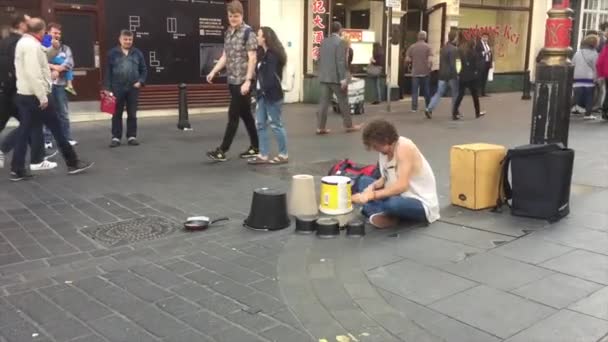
557,290
597,221
159,323
284,333
254,322
416,282
468,236
180,267
123,200
232,271
66,329
68,259
332,295
6,248
206,322
36,307
11,264
582,264
95,212
193,291
532,249
11,258
378,255
268,286
177,306
8,314
76,303
221,284
220,304
57,246
564,326
188,336
158,275
235,334
587,239
29,286
137,286
17,237
595,305
117,329
433,251
496,312
23,331
89,338
497,271
111,251
114,209
33,252
437,325
262,301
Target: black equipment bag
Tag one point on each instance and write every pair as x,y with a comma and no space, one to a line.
541,176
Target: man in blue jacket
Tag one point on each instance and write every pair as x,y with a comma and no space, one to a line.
126,73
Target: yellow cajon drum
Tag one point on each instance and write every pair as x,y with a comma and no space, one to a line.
474,175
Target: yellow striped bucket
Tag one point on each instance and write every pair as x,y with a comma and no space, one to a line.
336,196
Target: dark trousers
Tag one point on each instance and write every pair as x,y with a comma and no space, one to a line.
240,107
584,98
472,86
484,77
605,104
9,109
128,98
32,120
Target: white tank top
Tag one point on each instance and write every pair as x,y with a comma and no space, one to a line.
422,184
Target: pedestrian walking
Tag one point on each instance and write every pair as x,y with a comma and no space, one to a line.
126,73
8,93
270,64
448,74
419,55
62,74
239,59
34,105
333,76
585,74
374,70
602,73
468,78
487,61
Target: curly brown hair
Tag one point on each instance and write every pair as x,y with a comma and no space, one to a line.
379,132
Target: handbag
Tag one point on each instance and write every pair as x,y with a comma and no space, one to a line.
374,70
107,103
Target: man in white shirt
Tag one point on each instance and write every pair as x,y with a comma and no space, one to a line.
33,91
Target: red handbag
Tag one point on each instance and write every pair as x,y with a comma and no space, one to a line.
108,103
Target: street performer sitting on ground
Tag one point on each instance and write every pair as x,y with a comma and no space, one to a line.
407,190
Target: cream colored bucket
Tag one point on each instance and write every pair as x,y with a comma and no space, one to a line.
336,195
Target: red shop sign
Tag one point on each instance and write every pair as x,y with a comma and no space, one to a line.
318,24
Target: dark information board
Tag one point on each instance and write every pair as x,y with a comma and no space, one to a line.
181,39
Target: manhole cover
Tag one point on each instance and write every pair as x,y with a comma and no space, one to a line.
286,172
127,232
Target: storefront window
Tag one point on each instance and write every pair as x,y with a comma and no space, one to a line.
363,21
497,3
508,31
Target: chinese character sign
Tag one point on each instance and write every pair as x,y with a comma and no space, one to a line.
319,24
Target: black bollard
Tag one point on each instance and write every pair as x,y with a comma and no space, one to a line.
527,86
183,123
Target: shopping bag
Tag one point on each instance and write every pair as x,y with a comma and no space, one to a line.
491,75
107,103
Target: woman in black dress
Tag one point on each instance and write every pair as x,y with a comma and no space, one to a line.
468,78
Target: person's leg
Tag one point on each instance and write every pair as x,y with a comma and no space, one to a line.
36,141
588,101
415,86
426,90
324,100
132,99
61,99
342,96
121,100
248,120
454,88
441,87
276,123
261,121
29,112
233,118
461,89
405,209
473,87
378,82
51,120
363,183
484,79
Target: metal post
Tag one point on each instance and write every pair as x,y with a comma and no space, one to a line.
183,123
389,18
554,77
527,86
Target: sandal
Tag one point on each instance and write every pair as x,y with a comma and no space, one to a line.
279,160
258,161
323,131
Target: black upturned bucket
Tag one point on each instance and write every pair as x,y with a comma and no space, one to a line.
306,224
355,228
268,210
328,228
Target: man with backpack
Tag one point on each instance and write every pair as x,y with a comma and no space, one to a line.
8,92
239,59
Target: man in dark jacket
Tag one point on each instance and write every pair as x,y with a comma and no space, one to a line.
487,61
125,75
448,75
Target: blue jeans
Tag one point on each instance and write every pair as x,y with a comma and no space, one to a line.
584,98
441,88
269,113
32,119
405,209
61,101
378,85
423,82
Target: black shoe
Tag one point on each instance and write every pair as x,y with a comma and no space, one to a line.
250,153
20,176
428,114
115,143
456,117
376,102
480,114
79,167
605,116
217,155
132,142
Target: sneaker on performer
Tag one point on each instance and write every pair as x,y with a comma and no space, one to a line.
250,153
80,167
217,155
20,176
1,160
73,142
44,166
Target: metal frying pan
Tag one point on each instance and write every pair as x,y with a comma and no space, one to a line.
201,222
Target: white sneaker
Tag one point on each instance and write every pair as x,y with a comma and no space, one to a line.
1,160
48,145
590,117
73,142
44,166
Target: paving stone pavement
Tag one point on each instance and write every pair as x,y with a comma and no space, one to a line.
472,277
